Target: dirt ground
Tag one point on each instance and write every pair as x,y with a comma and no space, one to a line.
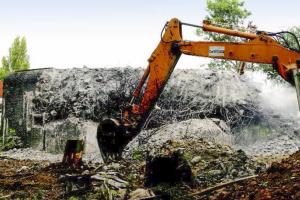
24,179
281,181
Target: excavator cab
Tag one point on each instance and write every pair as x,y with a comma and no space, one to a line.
263,47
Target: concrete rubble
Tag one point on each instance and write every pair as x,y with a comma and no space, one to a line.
97,93
203,144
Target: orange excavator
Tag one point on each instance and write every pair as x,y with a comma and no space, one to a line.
259,47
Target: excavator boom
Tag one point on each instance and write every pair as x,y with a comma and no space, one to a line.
114,134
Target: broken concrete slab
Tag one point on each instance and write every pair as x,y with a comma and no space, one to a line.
181,131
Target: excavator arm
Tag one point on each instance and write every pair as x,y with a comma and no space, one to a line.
114,134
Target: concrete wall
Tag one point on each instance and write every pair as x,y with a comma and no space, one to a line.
19,89
30,124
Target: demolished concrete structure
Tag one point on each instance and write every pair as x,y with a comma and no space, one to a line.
48,106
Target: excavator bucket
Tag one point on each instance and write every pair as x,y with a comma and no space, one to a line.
112,138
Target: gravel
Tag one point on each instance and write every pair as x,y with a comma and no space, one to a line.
31,154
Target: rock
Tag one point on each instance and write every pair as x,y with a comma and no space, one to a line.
110,179
212,160
85,172
120,180
196,159
117,184
97,177
114,166
53,113
216,120
22,169
234,173
140,194
105,168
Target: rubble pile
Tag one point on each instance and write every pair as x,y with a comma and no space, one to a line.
94,94
211,129
204,146
97,93
83,93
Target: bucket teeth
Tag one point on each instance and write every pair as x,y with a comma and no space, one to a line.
112,138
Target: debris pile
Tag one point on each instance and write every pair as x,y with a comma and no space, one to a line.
83,93
202,144
212,129
90,95
97,93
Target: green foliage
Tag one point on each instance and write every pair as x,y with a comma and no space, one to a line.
268,69
263,184
73,198
39,195
187,156
131,179
227,11
17,59
230,14
171,191
137,155
292,42
224,65
11,140
3,71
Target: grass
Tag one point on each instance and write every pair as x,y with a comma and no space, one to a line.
137,155
11,140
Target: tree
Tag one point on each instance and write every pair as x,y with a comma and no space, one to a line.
232,14
17,59
228,13
4,69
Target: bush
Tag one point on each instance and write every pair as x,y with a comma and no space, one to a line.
10,141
